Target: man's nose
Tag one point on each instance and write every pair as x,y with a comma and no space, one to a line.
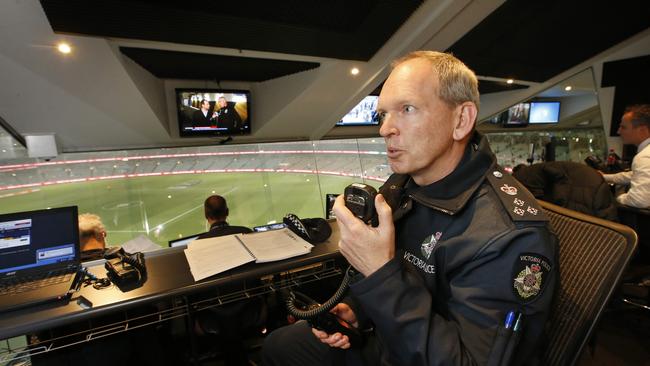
387,126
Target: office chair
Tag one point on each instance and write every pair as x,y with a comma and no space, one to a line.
636,286
593,254
639,220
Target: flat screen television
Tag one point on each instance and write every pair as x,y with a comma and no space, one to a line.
544,112
213,112
517,115
363,114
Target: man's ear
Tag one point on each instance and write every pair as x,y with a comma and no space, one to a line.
645,131
464,123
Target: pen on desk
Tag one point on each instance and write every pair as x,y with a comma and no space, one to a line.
513,341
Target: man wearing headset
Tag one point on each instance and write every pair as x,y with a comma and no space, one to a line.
461,250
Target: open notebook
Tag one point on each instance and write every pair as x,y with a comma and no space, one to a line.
210,256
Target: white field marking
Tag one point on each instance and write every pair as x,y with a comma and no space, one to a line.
185,213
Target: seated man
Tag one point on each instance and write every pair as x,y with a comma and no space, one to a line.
460,248
92,237
232,322
216,213
635,129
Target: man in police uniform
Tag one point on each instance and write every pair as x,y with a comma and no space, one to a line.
461,251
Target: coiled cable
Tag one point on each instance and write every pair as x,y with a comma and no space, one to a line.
326,306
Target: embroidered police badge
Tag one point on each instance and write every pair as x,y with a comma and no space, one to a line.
429,243
529,273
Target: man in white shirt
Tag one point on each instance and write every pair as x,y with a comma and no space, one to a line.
635,129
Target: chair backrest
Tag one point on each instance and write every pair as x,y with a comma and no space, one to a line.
593,255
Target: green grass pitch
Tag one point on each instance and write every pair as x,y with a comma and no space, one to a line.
170,207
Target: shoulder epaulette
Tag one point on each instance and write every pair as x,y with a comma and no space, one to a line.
520,204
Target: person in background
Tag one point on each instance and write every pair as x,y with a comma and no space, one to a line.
92,237
635,129
231,323
216,213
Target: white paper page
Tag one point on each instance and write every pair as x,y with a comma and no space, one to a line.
141,243
275,245
210,256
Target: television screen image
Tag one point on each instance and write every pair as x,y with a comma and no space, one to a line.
518,115
544,112
213,112
363,114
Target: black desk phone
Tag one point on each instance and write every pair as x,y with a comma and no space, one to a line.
124,268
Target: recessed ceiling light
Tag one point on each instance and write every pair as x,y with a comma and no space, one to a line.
64,48
354,71
568,88
510,81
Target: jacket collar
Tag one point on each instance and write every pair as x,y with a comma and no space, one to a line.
450,194
218,225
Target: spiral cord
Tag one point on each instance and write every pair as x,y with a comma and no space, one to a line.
325,307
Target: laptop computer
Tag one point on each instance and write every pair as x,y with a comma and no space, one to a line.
182,241
39,256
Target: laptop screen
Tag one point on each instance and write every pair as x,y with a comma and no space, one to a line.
182,241
39,240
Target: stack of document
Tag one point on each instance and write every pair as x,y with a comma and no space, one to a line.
210,256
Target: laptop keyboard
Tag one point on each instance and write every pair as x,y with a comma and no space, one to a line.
17,285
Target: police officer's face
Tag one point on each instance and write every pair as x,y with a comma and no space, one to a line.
416,124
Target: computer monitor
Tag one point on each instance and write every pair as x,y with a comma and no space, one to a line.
517,115
544,112
182,241
41,240
363,114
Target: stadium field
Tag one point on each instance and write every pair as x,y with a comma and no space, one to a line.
170,207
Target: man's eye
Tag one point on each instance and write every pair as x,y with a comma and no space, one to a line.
381,116
409,108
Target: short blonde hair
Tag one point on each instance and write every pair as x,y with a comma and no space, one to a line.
457,83
90,224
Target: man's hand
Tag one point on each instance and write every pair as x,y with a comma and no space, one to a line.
365,247
337,339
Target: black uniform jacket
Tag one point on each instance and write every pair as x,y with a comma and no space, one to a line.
470,248
222,228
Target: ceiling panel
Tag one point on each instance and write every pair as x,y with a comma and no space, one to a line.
352,30
536,40
185,65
